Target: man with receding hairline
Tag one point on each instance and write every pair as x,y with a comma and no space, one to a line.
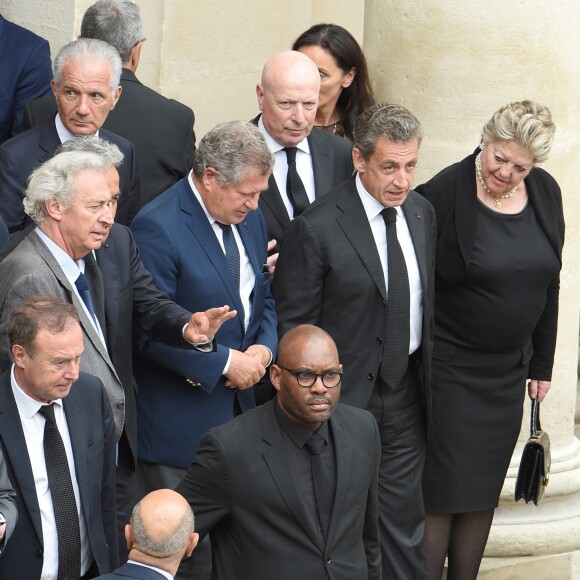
288,98
160,533
289,490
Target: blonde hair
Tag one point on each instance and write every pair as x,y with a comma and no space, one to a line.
527,123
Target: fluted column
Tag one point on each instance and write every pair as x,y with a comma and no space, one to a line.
453,64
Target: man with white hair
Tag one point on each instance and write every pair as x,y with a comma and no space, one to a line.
161,129
86,88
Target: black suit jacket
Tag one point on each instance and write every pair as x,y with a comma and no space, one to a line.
331,165
453,193
161,130
92,434
329,274
241,488
23,153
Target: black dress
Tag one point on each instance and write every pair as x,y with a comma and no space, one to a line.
486,321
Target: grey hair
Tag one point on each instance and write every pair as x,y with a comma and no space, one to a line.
172,545
387,120
117,22
527,123
93,144
54,179
89,49
233,149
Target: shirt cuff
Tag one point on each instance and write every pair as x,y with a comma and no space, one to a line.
227,367
201,346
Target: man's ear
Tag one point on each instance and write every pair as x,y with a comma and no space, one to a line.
191,544
275,373
129,536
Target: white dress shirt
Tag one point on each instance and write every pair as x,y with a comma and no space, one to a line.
33,427
280,172
373,209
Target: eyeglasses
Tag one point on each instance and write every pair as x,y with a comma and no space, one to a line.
330,379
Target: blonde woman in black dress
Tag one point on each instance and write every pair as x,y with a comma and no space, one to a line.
500,237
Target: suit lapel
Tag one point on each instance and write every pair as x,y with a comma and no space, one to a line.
76,422
15,449
48,139
322,163
355,225
275,457
86,324
344,470
415,222
203,232
273,200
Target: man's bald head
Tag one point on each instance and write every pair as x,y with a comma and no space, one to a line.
161,528
301,338
288,96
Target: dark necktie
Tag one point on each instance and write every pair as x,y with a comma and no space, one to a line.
63,499
96,288
83,289
396,352
232,252
294,186
323,489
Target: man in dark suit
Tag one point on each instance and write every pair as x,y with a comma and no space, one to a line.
370,286
159,534
58,440
8,511
276,504
25,74
288,97
86,87
161,129
75,213
183,239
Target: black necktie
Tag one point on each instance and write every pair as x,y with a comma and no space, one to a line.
396,352
323,489
63,499
294,186
96,288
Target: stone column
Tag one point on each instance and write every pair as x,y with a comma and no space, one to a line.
453,64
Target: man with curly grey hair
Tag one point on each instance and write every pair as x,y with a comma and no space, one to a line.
86,88
203,240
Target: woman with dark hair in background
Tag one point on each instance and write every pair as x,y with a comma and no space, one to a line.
345,91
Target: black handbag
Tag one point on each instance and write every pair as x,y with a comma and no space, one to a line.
534,471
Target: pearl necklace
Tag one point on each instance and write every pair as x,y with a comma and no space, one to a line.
497,198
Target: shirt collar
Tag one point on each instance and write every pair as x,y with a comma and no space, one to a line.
162,572
299,434
371,205
70,268
25,403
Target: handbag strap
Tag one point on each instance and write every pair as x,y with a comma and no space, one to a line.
535,418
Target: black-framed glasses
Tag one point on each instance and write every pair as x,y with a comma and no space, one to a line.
330,379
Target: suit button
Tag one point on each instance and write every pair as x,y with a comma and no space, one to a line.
327,561
379,340
371,376
39,553
120,404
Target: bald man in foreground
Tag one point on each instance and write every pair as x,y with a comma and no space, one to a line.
159,534
289,489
